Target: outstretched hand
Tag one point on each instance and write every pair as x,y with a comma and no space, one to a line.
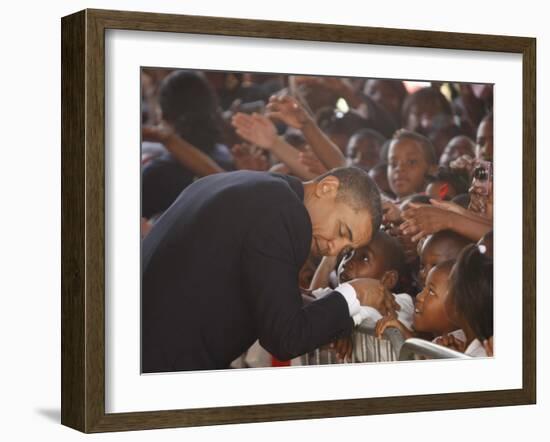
256,129
288,110
422,220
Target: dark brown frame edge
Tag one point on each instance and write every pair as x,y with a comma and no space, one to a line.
83,217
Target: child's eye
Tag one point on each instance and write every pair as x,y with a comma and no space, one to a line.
412,162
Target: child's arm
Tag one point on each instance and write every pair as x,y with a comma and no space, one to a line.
321,276
259,130
423,220
391,320
186,154
289,110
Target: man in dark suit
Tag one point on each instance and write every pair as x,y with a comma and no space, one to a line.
220,267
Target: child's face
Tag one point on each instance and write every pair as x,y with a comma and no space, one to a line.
363,151
364,262
384,95
420,117
484,143
429,313
457,147
407,167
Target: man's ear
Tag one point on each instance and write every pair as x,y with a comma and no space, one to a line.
327,187
389,279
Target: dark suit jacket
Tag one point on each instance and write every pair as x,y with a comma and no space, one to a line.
220,270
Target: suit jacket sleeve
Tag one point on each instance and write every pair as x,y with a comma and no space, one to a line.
272,257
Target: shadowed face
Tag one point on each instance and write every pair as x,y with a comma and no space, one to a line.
484,143
365,262
364,152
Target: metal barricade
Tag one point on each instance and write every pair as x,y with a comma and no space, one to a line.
414,348
366,347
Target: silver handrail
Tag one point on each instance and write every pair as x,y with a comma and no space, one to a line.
414,347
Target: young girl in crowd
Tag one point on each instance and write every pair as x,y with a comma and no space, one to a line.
470,301
430,315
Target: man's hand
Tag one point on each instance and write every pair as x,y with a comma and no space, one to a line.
288,110
256,129
370,292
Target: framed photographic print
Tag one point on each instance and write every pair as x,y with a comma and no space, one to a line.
269,220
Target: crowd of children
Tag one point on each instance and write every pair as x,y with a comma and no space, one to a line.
428,146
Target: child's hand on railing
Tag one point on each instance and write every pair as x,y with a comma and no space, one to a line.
389,321
450,341
343,348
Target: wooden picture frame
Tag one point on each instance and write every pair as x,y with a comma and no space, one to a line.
83,220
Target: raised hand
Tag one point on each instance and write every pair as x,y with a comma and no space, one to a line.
249,158
288,110
255,129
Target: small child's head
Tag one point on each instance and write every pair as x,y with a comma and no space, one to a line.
411,159
470,300
381,259
363,148
484,142
446,184
421,107
388,94
189,103
458,146
437,248
430,315
339,126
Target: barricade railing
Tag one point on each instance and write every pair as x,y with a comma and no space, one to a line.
415,348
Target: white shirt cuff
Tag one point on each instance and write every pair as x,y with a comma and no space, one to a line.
349,294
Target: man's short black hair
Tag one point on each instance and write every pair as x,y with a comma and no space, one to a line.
359,191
